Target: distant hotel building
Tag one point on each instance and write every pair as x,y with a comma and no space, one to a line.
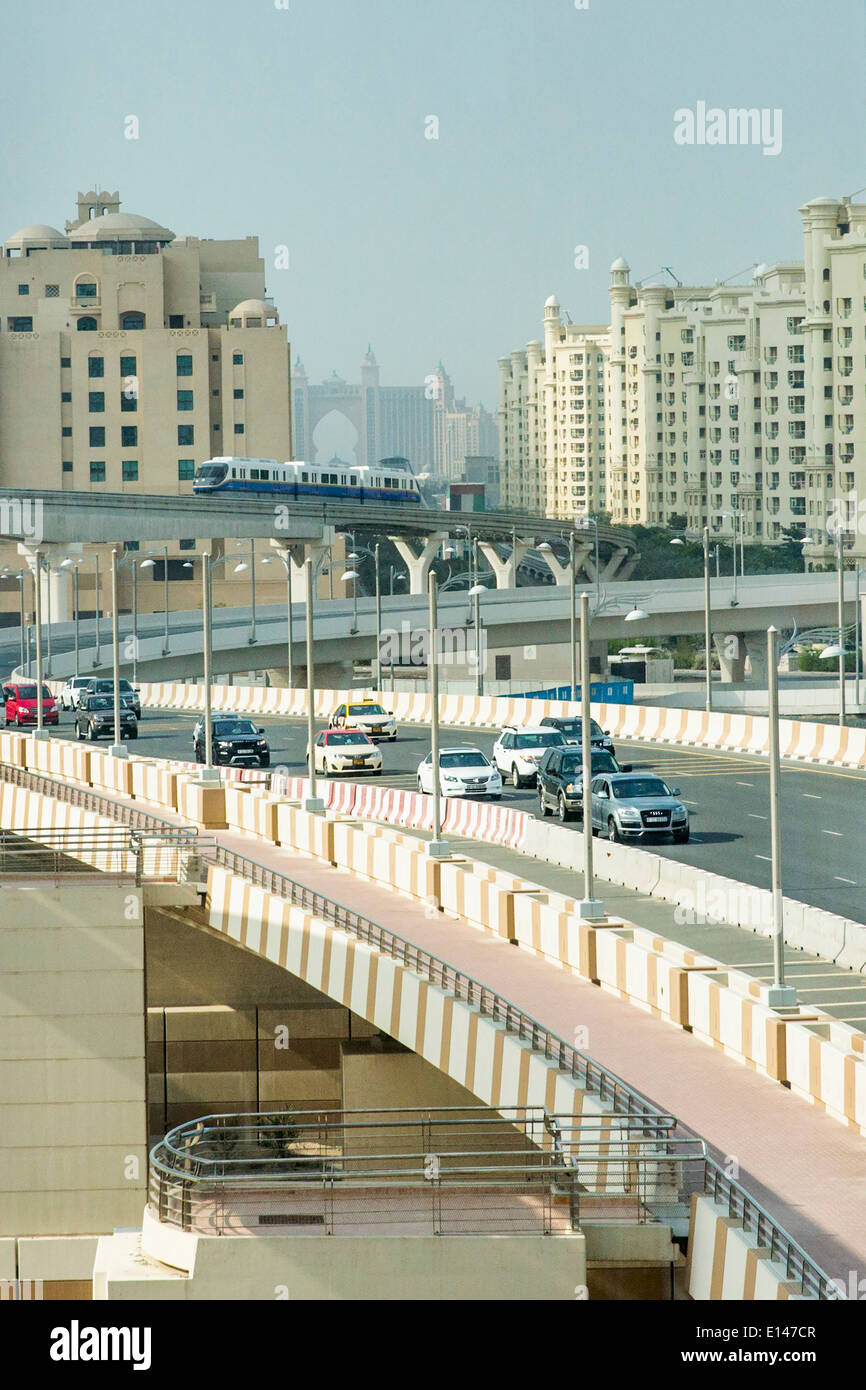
733,406
425,424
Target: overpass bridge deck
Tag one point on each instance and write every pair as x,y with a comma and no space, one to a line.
802,1166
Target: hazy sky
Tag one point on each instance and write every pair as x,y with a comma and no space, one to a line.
306,125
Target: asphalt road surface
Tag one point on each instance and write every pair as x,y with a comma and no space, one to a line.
823,809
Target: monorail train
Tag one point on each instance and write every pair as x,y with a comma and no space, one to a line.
383,482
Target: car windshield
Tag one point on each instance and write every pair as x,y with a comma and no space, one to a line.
101,686
126,687
601,762
28,692
365,709
349,738
236,728
99,702
572,728
467,759
635,787
549,739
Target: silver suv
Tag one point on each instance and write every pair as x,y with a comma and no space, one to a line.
629,806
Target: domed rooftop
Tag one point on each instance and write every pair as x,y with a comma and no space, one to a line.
620,264
253,313
759,272
121,226
38,235
552,302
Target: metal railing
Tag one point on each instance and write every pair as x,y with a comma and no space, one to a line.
443,1171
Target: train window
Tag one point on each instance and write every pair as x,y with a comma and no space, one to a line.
305,478
353,479
342,478
234,472
254,472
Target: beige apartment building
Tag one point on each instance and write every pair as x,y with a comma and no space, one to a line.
739,407
552,419
128,356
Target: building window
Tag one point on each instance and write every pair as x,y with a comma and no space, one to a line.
86,290
238,393
66,431
23,289
184,400
129,470
96,401
67,465
185,470
96,366
185,434
20,325
127,366
97,472
66,396
186,544
52,291
97,436
239,429
129,436
184,364
66,361
237,359
86,324
175,320
128,401
132,321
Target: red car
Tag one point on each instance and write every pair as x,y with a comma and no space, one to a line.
21,705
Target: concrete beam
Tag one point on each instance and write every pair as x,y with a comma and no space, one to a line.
418,566
561,569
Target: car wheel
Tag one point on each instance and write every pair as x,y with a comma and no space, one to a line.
133,733
91,734
78,734
681,837
543,808
612,831
515,776
418,783
394,738
199,755
18,721
561,809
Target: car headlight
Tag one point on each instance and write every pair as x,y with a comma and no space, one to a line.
679,813
573,788
630,814
450,779
220,744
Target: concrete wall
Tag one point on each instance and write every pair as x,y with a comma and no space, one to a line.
72,1084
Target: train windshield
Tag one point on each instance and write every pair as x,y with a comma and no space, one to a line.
212,473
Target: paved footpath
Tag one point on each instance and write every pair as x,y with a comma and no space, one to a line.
806,1169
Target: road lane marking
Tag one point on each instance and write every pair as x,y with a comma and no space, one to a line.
812,796
837,833
763,856
753,815
745,784
840,879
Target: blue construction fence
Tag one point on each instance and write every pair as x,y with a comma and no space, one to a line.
600,692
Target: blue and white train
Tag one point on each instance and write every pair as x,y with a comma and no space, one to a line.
385,481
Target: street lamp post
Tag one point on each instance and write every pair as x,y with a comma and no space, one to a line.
251,566
587,520
840,561
97,657
311,802
708,697
378,618
287,562
209,772
590,907
37,604
436,846
779,995
21,627
117,749
475,593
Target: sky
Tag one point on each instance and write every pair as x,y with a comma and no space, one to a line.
306,122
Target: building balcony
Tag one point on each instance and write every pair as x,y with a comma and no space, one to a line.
85,305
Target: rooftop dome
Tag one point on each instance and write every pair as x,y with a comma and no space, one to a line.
759,271
121,226
552,302
620,264
253,313
39,234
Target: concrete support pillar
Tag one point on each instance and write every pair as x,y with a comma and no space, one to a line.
56,582
561,569
731,649
614,562
418,566
505,570
756,649
296,553
628,567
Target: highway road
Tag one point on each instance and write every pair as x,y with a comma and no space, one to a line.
823,822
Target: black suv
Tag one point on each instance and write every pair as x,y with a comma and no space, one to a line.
236,742
129,696
572,729
95,717
560,779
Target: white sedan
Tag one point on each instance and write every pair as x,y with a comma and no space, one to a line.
70,695
517,752
462,772
346,750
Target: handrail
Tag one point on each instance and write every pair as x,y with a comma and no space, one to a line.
90,800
